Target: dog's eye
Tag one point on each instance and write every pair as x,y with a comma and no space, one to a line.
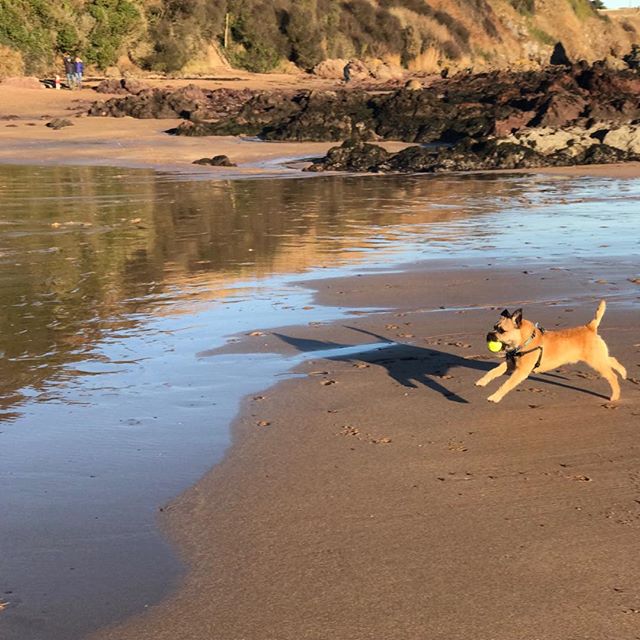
498,329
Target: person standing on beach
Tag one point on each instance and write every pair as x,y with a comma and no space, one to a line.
346,72
78,66
69,70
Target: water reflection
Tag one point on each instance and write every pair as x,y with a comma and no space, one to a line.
112,282
83,251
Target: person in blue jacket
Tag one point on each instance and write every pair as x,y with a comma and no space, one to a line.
78,66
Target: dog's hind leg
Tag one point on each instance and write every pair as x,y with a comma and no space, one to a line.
616,366
600,360
603,368
492,375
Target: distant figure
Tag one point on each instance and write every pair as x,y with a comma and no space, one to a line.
78,67
69,70
444,73
346,72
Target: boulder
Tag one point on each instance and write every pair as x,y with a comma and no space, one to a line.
59,123
352,155
413,85
559,109
332,68
626,137
216,161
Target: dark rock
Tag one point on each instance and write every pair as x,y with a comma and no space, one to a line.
352,155
559,110
121,86
463,157
59,123
632,59
466,156
512,123
559,55
190,102
216,161
604,154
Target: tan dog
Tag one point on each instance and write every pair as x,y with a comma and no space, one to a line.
530,349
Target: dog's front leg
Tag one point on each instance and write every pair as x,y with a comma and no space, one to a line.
492,375
514,380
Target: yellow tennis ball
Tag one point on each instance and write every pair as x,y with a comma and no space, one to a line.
494,345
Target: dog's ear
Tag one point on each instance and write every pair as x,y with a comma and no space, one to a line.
506,313
517,317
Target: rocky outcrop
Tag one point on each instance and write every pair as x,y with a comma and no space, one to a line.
575,141
449,110
564,114
191,102
466,156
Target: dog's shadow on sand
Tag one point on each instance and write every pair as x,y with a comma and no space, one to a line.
410,365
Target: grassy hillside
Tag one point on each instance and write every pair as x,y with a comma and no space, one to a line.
166,35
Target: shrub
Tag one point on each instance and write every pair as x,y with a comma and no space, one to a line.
526,7
302,29
115,21
179,29
373,30
258,44
11,62
541,35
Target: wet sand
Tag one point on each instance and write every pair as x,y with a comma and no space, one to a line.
381,496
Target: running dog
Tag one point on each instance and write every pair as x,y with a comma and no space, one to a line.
530,349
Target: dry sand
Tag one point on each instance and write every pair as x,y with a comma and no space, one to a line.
381,495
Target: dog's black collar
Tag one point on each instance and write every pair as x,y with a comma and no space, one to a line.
518,352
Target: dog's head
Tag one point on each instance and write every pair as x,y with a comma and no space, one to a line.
507,330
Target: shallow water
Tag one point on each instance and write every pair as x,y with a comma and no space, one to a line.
114,284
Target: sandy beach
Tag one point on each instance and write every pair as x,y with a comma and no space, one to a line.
378,494
381,496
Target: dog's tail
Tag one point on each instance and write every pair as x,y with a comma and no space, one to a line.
595,323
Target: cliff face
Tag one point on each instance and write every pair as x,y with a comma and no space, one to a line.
421,35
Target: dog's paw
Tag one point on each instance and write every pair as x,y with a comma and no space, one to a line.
481,383
494,398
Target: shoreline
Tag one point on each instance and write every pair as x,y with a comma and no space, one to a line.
384,495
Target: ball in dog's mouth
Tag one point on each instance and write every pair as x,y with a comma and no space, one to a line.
494,346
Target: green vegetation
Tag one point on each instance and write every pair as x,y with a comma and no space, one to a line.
525,7
164,35
583,9
541,35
